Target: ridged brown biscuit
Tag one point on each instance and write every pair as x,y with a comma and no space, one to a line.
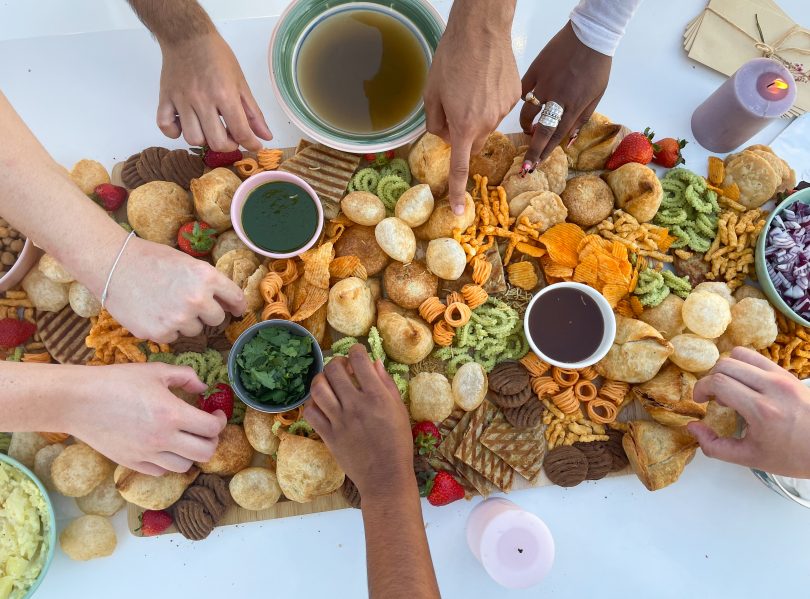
616,450
566,466
508,378
148,164
181,167
600,460
129,173
511,401
526,416
350,493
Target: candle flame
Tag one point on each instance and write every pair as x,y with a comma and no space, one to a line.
778,84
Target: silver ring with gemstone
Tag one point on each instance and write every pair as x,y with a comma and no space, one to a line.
532,99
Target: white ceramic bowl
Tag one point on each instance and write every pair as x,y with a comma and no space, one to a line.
28,257
607,316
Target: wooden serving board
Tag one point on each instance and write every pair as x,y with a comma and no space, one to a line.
285,508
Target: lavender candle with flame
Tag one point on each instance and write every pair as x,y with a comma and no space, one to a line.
759,92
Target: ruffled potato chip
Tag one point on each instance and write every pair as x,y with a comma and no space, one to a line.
587,271
561,242
344,266
613,293
314,298
316,265
316,324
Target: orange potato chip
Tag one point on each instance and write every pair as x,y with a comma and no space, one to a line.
635,305
313,299
316,265
623,308
614,293
610,272
558,271
717,170
316,324
343,267
619,250
587,271
732,192
562,241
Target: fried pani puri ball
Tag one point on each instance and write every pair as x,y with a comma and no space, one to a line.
706,314
430,397
88,537
753,323
694,353
79,469
255,488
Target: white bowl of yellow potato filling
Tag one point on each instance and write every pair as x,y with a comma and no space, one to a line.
27,530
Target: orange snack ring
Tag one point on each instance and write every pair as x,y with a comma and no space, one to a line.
270,286
474,296
614,391
286,268
457,314
564,377
276,310
585,391
610,410
269,159
54,437
453,297
544,385
566,401
588,373
536,366
431,309
287,418
481,270
247,167
238,327
443,333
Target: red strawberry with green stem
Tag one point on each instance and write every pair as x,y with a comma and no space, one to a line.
426,437
636,147
668,153
445,489
15,332
214,159
218,397
110,197
154,522
196,238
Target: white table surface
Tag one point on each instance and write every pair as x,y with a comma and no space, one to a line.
717,532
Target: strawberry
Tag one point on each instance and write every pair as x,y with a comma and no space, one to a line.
110,197
218,397
214,159
196,238
636,147
370,157
390,154
445,489
668,153
15,332
154,522
425,437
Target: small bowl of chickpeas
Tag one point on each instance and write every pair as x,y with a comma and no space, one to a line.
17,255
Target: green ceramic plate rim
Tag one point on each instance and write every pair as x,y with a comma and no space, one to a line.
51,521
284,47
762,273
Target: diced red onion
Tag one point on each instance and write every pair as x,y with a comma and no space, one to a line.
787,257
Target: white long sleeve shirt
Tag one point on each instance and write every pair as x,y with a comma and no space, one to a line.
600,24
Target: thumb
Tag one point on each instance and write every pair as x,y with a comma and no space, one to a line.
459,172
184,377
736,451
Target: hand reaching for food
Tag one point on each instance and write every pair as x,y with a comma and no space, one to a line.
128,413
371,413
775,406
473,83
201,83
158,293
570,74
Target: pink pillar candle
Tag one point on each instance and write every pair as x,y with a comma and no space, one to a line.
514,546
759,92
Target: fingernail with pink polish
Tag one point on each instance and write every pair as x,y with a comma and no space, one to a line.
526,167
571,141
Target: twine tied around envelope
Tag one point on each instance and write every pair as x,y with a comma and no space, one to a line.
772,50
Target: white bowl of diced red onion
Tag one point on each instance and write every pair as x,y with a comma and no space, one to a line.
783,257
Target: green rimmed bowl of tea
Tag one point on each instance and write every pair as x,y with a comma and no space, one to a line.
351,74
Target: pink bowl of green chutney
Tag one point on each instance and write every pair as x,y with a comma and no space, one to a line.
277,214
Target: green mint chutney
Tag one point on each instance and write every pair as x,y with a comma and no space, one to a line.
279,217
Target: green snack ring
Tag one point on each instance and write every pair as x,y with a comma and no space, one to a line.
341,346
399,167
365,179
389,189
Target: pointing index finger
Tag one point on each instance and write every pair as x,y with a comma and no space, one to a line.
461,145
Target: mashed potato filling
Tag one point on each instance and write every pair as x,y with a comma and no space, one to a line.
24,529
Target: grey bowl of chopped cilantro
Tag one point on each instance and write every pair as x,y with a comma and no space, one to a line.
272,364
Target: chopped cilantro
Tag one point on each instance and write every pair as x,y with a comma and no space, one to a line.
273,366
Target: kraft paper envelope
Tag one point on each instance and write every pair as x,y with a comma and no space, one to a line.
694,25
728,38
